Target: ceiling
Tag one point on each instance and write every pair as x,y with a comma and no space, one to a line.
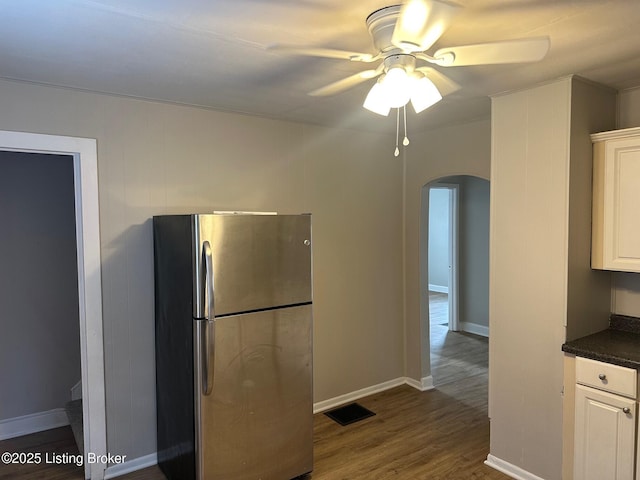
212,53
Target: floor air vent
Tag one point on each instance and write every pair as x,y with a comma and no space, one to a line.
349,414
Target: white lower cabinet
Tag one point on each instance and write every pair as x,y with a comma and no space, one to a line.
605,435
605,421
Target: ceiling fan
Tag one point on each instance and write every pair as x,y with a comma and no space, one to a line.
402,35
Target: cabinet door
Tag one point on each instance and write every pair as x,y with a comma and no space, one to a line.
619,198
604,435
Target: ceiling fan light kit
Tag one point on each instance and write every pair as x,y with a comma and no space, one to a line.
399,85
402,34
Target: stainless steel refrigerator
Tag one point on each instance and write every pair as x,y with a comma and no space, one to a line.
233,302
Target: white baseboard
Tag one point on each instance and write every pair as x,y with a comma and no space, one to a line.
131,466
424,384
509,469
438,288
76,391
35,422
350,397
474,328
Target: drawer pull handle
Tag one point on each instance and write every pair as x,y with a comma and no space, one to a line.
602,377
626,410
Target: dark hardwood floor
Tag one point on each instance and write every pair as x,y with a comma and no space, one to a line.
49,442
441,434
454,355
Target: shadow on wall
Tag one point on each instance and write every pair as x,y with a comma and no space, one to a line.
128,308
626,289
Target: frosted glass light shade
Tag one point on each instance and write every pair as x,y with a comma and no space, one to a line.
396,84
376,100
424,94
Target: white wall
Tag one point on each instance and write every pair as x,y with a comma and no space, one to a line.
156,158
529,169
474,251
626,286
593,108
40,339
540,275
439,238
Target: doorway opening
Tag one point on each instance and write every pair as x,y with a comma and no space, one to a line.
443,255
38,295
83,156
456,213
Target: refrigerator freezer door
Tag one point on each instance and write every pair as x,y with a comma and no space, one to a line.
259,261
258,422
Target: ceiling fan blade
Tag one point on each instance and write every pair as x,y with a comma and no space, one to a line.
509,51
346,83
444,84
322,52
421,23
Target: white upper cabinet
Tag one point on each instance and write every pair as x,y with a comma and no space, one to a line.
616,200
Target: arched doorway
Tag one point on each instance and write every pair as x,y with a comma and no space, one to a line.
454,264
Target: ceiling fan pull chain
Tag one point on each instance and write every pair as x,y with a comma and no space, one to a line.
405,142
397,151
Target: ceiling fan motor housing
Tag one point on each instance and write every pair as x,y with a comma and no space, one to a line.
381,24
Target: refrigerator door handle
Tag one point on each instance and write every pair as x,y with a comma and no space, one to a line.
209,324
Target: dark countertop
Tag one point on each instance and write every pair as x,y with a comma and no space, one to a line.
619,344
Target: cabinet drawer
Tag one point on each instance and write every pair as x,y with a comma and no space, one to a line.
607,377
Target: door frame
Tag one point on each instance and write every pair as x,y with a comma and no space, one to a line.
454,195
85,171
452,249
